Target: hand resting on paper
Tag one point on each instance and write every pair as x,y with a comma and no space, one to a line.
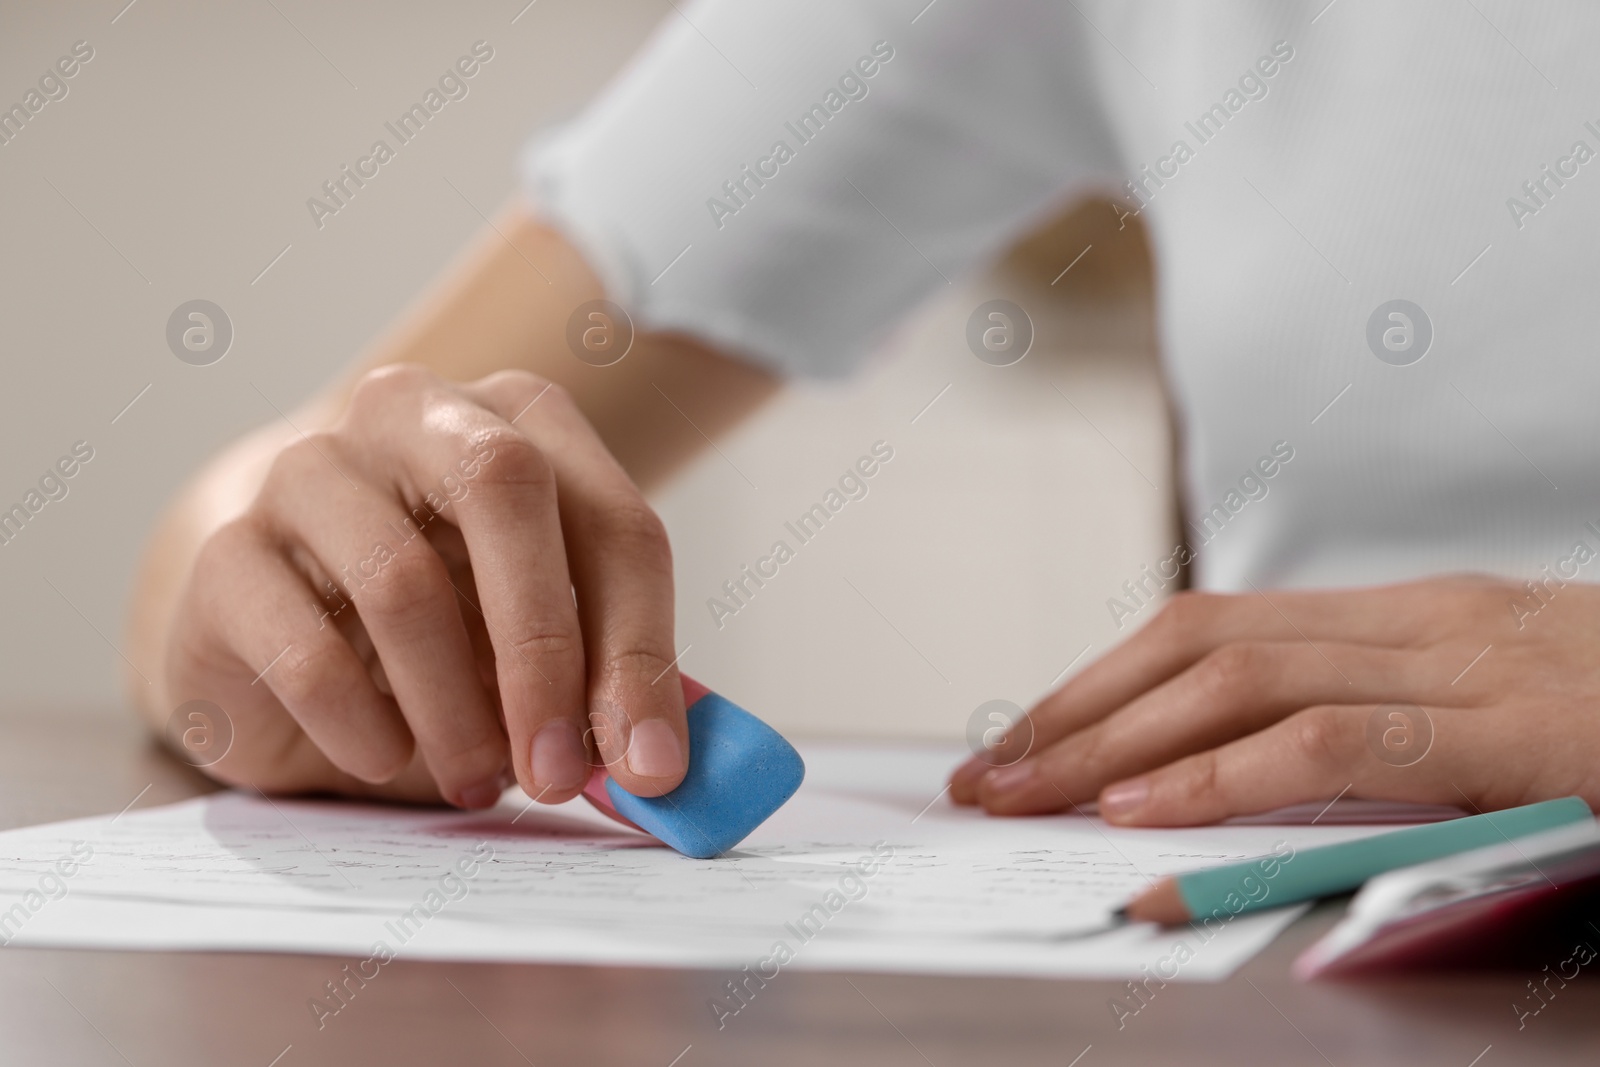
1458,690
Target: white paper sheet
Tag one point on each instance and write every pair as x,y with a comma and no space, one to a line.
869,867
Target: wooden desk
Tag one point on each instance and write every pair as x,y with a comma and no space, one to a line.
174,1009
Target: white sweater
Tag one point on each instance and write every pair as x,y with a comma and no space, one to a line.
788,178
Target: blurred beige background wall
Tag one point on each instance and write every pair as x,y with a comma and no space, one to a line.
177,167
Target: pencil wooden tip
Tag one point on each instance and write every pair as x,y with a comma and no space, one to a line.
1161,903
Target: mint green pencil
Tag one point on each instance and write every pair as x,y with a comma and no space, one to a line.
1290,877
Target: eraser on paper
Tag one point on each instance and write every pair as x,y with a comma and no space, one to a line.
740,771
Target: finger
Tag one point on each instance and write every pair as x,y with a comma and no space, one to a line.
297,661
1315,755
1230,693
621,568
1184,630
1192,625
402,591
468,468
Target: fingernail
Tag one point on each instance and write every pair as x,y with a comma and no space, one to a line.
963,784
1125,798
557,756
654,751
482,795
973,768
1009,779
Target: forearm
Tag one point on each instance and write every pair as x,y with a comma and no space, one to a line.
506,305
503,305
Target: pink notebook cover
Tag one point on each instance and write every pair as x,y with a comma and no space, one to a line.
1510,905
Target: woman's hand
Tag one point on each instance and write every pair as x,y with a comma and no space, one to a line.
1460,690
453,584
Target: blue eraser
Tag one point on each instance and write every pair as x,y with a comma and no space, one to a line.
740,771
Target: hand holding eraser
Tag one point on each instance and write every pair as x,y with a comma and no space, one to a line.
740,771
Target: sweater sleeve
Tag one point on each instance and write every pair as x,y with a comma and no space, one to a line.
787,179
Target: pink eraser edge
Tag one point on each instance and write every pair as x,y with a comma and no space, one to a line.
594,790
692,691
